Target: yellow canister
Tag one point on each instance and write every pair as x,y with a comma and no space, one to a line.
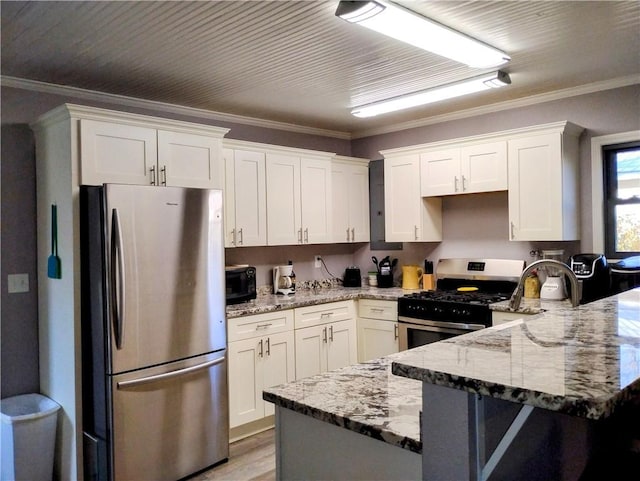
532,287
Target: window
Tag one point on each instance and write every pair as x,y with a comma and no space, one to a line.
621,164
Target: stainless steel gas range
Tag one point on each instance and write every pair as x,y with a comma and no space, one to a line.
460,303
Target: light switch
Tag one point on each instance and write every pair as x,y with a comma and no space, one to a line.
18,283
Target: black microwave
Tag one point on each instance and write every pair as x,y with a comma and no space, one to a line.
240,282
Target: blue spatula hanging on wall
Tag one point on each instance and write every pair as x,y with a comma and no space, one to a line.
54,270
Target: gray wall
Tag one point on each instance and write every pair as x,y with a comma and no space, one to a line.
473,225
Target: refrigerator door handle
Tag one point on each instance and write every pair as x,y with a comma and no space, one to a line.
117,278
169,375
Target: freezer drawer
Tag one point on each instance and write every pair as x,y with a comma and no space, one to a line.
172,420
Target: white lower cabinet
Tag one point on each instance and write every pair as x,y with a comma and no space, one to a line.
377,329
261,355
325,337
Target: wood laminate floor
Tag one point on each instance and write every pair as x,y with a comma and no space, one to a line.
250,459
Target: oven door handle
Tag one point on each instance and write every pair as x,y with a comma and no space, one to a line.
440,324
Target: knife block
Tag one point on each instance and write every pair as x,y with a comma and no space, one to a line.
428,282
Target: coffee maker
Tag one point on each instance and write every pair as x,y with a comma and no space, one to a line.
284,280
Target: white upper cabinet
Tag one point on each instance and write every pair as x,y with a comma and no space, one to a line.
190,160
350,206
117,153
408,216
464,170
117,147
245,198
298,199
544,185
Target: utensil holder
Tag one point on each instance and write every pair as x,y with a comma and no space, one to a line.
385,280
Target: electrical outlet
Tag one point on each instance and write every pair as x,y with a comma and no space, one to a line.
318,261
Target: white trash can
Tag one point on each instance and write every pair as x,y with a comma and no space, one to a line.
28,430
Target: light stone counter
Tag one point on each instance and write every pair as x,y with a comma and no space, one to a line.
309,297
582,361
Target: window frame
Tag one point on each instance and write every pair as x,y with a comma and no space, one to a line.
597,182
611,200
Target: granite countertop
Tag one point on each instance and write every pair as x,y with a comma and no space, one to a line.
582,361
309,297
365,398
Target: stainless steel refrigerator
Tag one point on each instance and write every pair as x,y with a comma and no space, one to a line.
155,403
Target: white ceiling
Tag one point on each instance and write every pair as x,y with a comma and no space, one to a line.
295,62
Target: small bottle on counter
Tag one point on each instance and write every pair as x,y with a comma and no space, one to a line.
532,286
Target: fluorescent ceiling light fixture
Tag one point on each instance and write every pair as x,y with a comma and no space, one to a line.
407,26
457,89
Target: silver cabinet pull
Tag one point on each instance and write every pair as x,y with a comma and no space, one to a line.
353,234
513,235
324,335
168,375
268,346
377,309
464,180
152,171
306,235
163,171
241,241
415,232
263,326
233,237
455,183
395,331
117,279
300,235
331,333
261,353
348,235
324,315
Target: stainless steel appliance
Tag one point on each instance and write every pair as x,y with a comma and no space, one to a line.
240,284
594,275
460,303
155,403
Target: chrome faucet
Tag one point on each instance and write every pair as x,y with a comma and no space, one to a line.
516,297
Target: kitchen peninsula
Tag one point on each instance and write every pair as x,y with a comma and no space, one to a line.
539,396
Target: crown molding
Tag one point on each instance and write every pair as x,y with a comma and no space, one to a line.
499,106
97,96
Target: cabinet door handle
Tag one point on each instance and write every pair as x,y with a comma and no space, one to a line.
331,333
233,237
353,234
395,331
455,183
268,346
513,235
152,171
464,180
324,335
306,235
261,353
348,235
377,309
325,315
241,241
415,232
163,171
263,326
300,235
